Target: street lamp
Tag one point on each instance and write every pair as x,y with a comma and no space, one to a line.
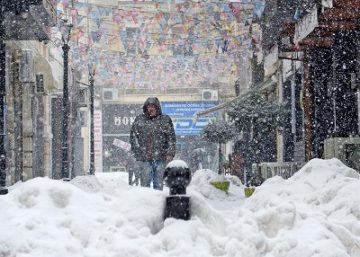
92,70
3,189
65,36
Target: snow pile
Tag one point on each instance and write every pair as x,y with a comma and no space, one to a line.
200,182
314,213
54,218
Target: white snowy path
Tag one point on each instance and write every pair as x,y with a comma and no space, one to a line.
314,213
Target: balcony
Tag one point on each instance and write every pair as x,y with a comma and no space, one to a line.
29,20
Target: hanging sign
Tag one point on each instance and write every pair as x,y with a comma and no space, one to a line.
306,25
327,4
186,108
118,118
190,126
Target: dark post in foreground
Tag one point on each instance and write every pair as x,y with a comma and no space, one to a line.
177,177
3,189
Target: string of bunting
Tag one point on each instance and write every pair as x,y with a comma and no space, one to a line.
131,43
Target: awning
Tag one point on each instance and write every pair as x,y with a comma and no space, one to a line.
57,73
52,71
267,85
217,107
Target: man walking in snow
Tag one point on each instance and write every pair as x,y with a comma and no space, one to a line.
152,139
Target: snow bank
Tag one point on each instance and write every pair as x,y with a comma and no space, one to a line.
315,213
53,218
200,182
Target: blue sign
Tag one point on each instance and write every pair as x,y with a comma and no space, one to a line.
189,126
183,109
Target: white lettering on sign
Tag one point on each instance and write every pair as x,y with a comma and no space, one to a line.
186,124
202,123
123,121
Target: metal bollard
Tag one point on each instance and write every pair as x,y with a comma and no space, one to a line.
3,190
177,177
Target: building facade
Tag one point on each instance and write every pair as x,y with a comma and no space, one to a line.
33,111
314,50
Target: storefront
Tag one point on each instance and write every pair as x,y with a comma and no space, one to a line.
118,118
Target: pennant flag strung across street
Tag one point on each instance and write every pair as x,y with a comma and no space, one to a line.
201,40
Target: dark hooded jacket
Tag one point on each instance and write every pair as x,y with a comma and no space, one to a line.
152,138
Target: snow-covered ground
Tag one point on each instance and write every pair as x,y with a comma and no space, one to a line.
314,213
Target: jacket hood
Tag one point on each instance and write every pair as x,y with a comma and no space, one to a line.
155,101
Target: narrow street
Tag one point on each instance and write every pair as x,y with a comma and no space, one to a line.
179,128
284,76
